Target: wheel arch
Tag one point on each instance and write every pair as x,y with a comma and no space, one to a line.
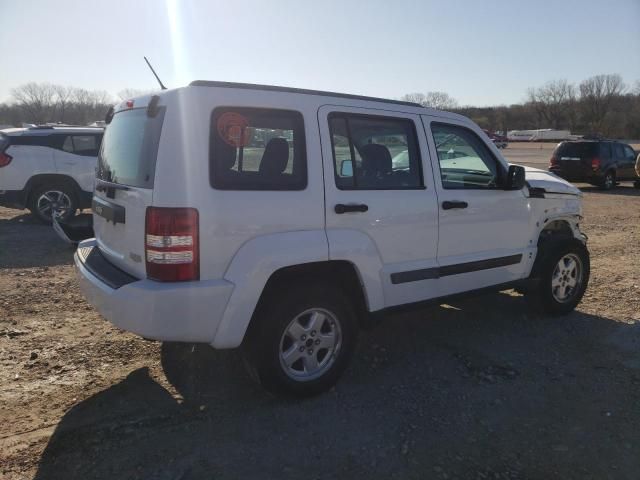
554,231
50,178
271,258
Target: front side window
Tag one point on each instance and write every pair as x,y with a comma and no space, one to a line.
257,149
465,161
629,154
374,153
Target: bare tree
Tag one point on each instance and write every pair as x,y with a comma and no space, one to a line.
37,100
596,96
438,100
554,102
63,100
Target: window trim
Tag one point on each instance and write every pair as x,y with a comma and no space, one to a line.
342,114
500,167
300,143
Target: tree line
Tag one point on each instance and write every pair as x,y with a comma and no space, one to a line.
600,105
41,103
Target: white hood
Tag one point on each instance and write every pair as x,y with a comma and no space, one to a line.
550,182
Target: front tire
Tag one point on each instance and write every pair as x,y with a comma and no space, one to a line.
563,277
58,199
300,342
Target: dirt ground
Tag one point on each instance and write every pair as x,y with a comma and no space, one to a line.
483,389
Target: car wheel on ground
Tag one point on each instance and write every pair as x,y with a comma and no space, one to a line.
55,199
300,344
609,180
563,276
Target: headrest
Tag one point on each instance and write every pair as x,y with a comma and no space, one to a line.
275,157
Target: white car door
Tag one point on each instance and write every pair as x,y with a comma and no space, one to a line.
381,209
79,159
484,230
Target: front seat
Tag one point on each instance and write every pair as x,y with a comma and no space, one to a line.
274,159
377,165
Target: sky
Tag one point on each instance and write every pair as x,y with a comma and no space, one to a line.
480,52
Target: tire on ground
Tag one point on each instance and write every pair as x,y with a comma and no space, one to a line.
38,191
543,293
266,336
608,181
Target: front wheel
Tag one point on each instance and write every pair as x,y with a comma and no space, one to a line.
563,277
300,342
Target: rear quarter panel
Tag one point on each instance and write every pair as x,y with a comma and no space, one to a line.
27,161
229,219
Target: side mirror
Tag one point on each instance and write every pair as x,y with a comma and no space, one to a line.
515,178
346,168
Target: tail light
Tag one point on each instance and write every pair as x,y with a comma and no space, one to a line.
553,162
172,244
595,163
5,159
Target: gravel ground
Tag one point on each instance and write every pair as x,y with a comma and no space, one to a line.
483,388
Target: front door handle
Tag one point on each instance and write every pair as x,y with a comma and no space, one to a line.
448,205
341,208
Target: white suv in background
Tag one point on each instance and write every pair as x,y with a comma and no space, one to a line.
277,220
48,169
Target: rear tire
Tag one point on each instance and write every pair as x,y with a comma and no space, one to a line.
609,180
563,276
300,342
46,198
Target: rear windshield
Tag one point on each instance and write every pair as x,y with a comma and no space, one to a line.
577,149
4,141
130,147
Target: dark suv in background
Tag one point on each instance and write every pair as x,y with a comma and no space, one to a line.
599,162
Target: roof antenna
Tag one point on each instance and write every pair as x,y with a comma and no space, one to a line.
155,74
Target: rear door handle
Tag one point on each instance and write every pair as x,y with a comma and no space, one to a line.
341,208
448,205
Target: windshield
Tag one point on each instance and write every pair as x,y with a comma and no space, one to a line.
129,148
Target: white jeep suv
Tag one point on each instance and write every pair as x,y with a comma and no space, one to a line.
276,219
49,170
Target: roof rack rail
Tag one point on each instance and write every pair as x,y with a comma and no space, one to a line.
273,88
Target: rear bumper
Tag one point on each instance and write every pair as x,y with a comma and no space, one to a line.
587,176
181,311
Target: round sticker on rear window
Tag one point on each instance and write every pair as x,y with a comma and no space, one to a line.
232,128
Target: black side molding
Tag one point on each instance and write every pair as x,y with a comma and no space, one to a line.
437,272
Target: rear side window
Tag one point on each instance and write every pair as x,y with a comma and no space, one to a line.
34,140
605,150
4,142
577,150
85,145
257,149
130,147
374,153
